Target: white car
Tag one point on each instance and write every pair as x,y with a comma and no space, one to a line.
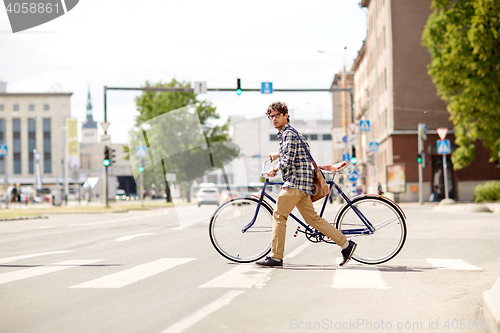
208,196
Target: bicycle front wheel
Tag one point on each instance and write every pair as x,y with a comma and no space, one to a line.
388,221
229,238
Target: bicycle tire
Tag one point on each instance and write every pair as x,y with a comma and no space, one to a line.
226,230
387,240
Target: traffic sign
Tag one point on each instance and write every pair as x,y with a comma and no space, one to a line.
442,132
266,88
373,146
364,126
344,139
353,176
3,150
105,125
351,127
443,146
140,151
346,157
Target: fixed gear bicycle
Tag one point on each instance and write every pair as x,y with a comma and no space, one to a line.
240,229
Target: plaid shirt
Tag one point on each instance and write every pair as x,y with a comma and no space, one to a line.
294,163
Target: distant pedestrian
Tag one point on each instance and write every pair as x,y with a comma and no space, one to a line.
379,189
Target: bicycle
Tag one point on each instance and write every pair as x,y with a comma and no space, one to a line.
240,229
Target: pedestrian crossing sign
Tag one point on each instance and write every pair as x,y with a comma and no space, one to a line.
443,146
140,151
3,150
364,126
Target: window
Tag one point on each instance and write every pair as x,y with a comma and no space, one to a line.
46,107
16,107
31,107
306,136
47,157
273,137
327,137
1,107
16,136
314,137
31,143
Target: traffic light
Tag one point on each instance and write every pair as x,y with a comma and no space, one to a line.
106,160
238,87
419,158
354,160
141,165
112,156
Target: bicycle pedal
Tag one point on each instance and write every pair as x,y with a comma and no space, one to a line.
296,232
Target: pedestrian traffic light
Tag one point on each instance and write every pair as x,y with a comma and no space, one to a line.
419,158
238,87
141,165
106,160
354,160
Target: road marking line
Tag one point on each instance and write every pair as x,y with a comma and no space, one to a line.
134,274
242,276
5,260
120,220
35,271
126,238
195,317
298,250
456,264
358,277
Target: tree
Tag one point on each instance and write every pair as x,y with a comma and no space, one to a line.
181,136
463,40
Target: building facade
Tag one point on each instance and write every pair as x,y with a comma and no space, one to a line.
31,121
394,93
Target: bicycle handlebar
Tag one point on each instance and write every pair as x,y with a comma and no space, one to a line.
264,172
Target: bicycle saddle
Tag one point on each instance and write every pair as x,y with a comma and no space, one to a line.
333,167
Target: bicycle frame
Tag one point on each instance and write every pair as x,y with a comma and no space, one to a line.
365,231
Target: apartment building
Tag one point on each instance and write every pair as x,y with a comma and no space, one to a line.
393,91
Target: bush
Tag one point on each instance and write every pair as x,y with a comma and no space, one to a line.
489,191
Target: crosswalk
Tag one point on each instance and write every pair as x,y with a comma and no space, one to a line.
240,276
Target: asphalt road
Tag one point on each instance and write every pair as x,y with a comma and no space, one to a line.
156,271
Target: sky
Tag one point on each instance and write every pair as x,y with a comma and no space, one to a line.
124,43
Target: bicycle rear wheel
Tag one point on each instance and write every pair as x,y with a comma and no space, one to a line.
226,230
390,229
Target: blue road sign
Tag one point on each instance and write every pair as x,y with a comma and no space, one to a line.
3,150
364,126
140,151
344,139
443,146
373,146
346,157
266,88
353,176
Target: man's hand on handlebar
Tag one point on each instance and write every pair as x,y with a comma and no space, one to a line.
272,172
273,156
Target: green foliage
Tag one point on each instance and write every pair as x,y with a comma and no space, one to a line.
489,191
174,135
463,40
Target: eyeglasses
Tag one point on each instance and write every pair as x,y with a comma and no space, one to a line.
272,116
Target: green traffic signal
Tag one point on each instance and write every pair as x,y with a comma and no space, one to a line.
238,87
105,162
141,169
238,91
354,160
419,158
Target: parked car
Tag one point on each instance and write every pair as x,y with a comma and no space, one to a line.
228,195
208,196
121,195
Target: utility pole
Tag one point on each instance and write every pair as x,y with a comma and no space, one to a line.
422,135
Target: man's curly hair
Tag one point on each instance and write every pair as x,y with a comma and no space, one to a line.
280,107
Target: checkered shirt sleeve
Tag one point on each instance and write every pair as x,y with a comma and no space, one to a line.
294,164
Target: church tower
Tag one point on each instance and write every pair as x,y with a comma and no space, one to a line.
89,129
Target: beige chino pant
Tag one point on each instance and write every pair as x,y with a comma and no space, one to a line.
288,199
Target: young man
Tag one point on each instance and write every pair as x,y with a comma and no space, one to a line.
298,176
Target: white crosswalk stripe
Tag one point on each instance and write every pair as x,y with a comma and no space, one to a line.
242,276
27,256
357,276
455,264
134,274
45,269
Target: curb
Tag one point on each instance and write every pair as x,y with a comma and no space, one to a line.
491,308
470,208
23,218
